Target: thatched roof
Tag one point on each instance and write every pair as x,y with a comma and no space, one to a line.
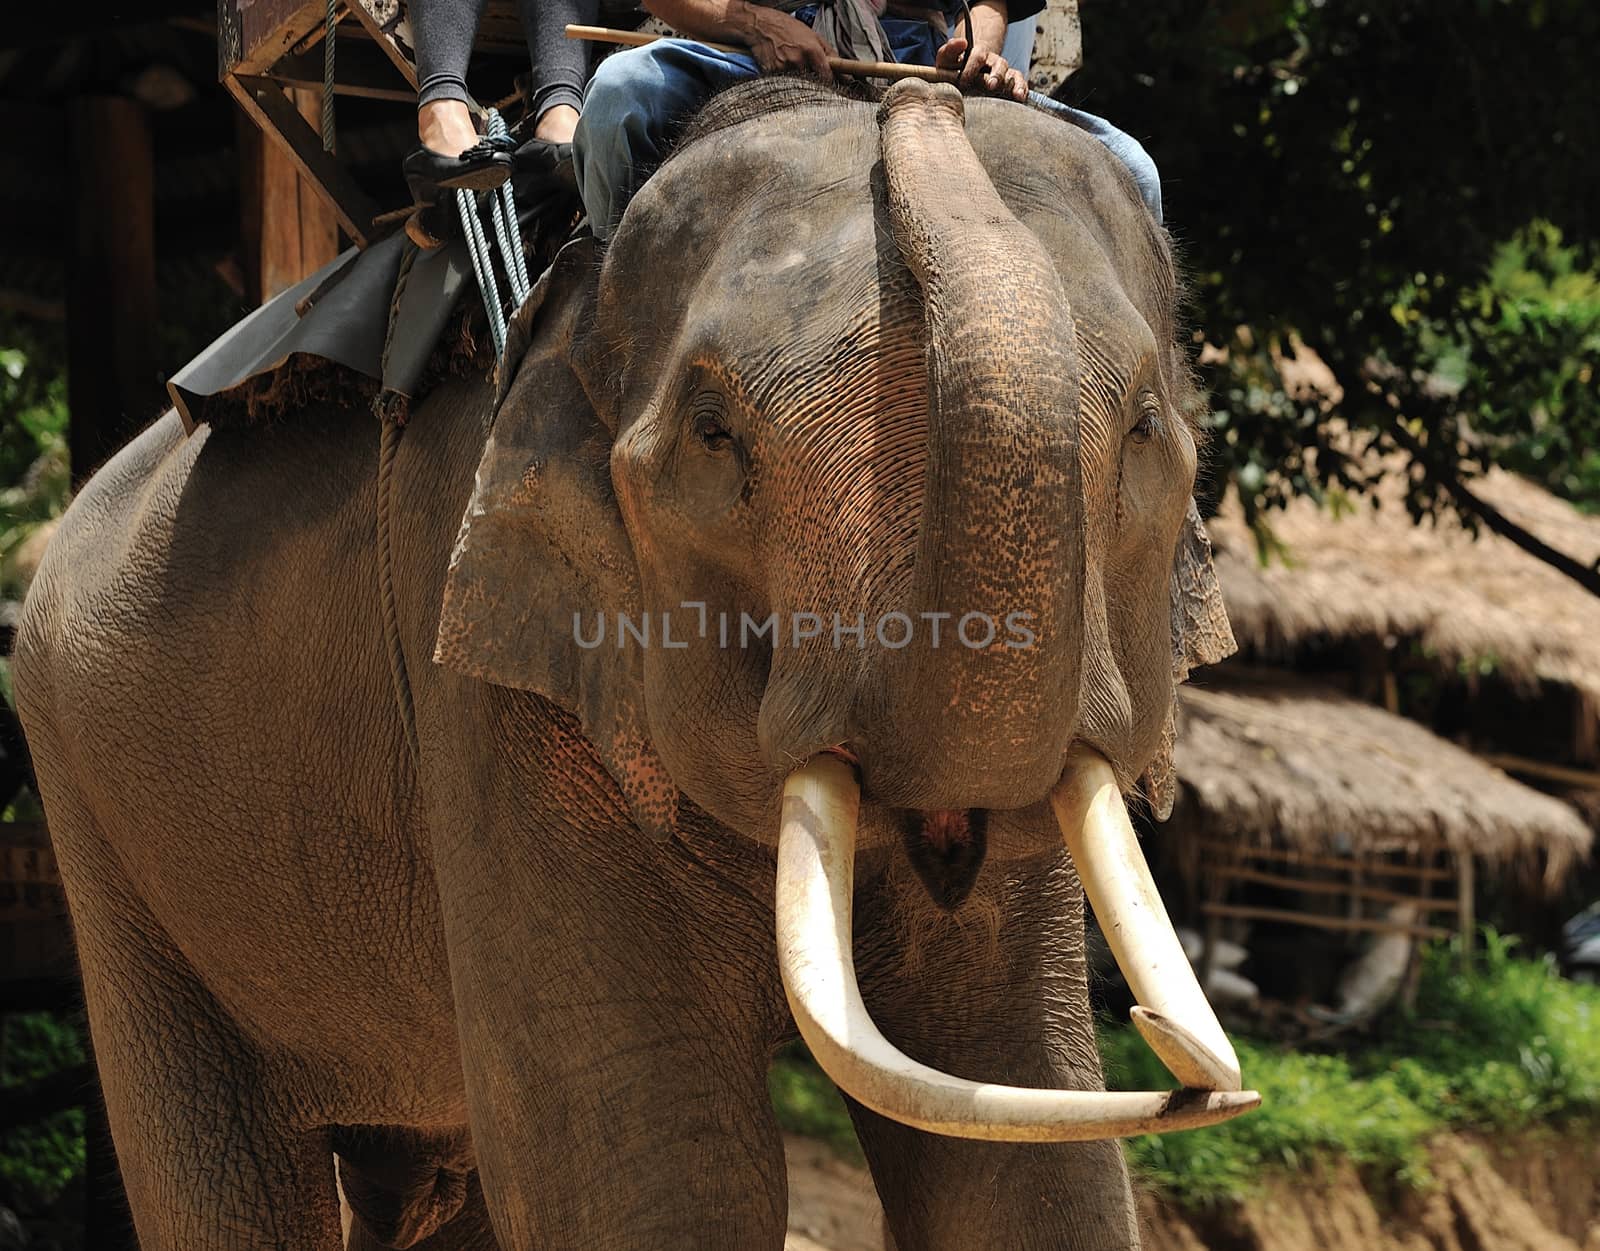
1373,573
1294,765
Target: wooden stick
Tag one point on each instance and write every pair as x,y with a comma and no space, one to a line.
1321,886
838,64
1587,778
1466,899
1377,868
1371,925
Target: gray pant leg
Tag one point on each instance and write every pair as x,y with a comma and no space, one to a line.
560,65
443,31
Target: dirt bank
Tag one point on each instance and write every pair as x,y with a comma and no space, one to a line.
1530,1193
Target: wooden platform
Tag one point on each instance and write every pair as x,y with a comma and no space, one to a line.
270,58
266,49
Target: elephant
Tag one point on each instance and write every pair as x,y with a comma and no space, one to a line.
496,848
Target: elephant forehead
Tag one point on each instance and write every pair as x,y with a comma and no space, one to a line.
786,162
1035,158
813,283
1064,185
747,219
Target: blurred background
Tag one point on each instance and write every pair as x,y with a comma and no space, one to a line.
1380,840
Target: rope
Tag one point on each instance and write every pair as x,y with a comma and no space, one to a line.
408,258
390,441
330,23
483,267
507,236
505,224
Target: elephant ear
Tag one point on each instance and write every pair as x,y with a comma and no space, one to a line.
1201,635
543,546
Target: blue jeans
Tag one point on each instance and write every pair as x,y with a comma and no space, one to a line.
638,98
1018,47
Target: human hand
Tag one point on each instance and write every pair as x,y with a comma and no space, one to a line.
985,73
784,44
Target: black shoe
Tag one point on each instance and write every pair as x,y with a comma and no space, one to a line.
544,168
485,164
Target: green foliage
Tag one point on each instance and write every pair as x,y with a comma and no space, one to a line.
1520,355
1314,1108
1509,1046
33,436
1517,1043
1400,184
37,1162
808,1103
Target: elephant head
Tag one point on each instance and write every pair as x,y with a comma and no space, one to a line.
848,495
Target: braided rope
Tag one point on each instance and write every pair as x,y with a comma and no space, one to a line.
409,252
505,225
330,23
508,252
507,236
483,267
508,208
389,442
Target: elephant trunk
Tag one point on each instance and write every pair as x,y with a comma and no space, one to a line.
1000,559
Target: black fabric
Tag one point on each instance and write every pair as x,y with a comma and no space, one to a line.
338,315
348,320
1019,9
368,325
561,66
443,32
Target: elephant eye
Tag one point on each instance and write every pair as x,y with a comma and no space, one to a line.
713,434
1148,424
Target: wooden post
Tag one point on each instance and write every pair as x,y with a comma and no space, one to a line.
1208,949
367,12
1216,888
1411,982
287,230
269,106
112,382
1466,915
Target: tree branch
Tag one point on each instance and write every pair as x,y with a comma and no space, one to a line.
1446,477
1390,422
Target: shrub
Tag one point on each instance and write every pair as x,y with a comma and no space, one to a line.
1510,1045
38,1161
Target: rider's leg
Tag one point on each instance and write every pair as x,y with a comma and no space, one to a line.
443,31
1123,146
633,109
560,65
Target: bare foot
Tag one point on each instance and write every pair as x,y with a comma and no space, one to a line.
557,124
445,126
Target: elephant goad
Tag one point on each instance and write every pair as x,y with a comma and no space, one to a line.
828,564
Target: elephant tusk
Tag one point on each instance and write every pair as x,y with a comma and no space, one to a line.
1173,1014
816,863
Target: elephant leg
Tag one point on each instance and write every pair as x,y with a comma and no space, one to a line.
642,1128
614,1040
997,992
210,1153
